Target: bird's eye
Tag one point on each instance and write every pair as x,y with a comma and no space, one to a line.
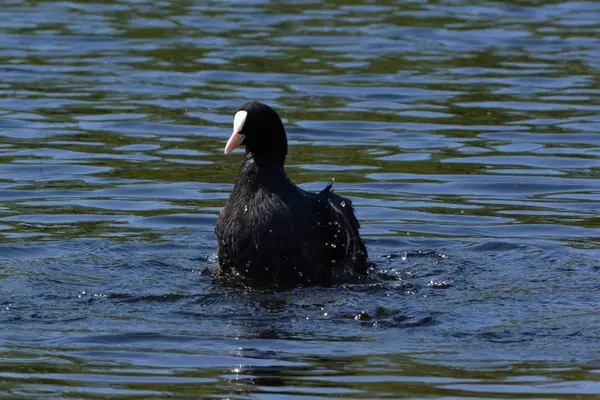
239,120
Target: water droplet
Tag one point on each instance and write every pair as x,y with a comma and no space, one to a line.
362,316
343,204
439,284
245,208
333,246
403,256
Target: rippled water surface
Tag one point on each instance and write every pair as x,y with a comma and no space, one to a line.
466,133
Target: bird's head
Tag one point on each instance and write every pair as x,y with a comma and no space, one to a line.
259,128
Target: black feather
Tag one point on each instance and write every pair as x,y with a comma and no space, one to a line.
272,233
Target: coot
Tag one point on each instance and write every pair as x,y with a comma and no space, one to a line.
271,233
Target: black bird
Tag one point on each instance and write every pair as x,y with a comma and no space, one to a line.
273,234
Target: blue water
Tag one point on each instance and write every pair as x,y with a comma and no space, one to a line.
467,136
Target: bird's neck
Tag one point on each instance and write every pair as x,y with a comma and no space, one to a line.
257,171
267,156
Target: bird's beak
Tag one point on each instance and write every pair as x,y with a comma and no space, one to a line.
235,141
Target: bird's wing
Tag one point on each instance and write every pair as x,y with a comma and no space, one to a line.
345,229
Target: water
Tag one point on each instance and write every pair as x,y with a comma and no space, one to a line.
466,134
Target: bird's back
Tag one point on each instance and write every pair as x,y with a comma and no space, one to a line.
264,231
275,234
